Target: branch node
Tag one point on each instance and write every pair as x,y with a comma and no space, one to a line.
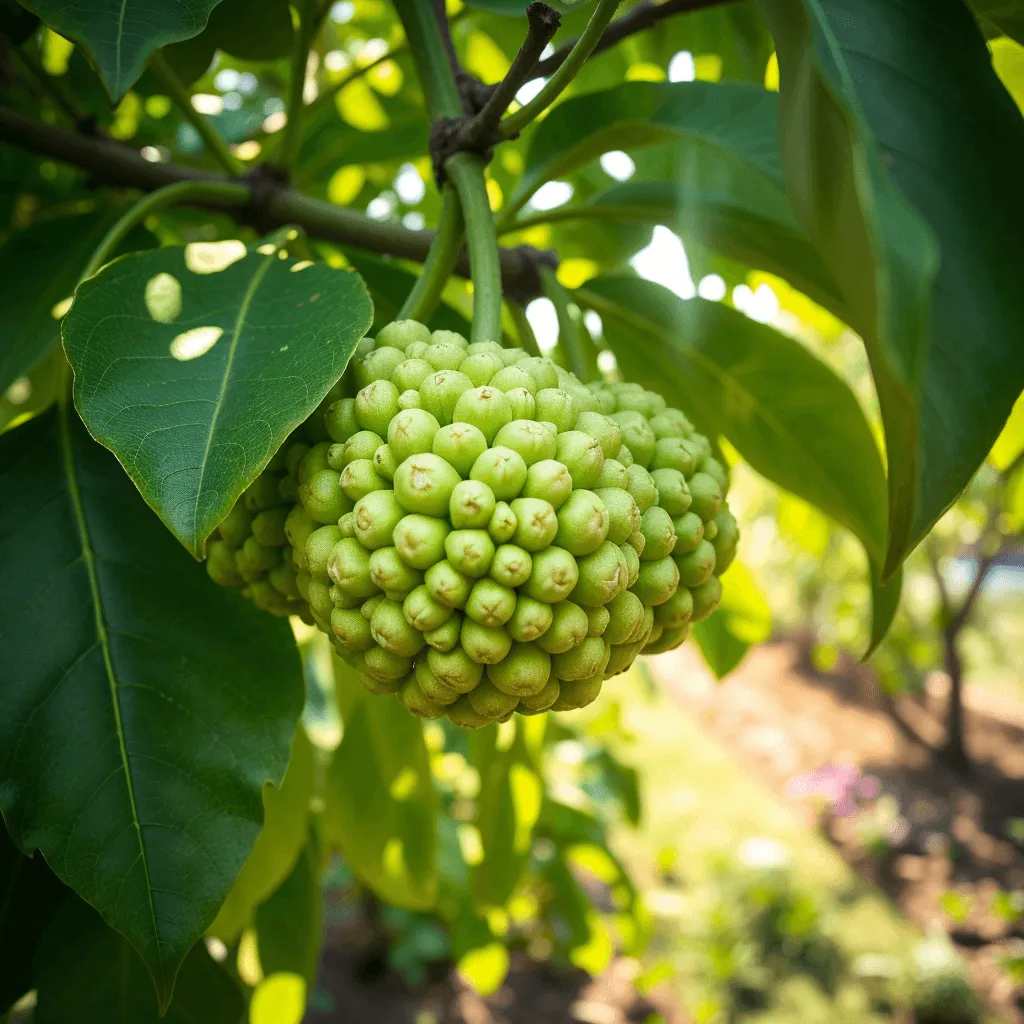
264,181
526,284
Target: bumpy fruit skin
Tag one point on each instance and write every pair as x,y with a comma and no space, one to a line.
481,534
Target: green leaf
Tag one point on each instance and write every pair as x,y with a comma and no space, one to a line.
734,124
903,153
380,799
786,412
1001,17
120,35
744,218
389,284
285,825
743,619
143,708
289,925
39,268
508,805
29,894
885,602
194,363
86,972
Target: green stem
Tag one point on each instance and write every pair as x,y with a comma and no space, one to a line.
567,71
466,172
170,195
305,32
581,211
573,337
217,147
527,339
439,264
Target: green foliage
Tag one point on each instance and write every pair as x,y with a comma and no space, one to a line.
226,349
380,800
120,35
743,619
87,972
129,755
922,236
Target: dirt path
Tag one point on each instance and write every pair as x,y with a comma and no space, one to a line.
943,849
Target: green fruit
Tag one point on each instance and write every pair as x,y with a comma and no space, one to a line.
455,668
378,365
503,470
657,581
423,611
553,405
689,532
511,565
530,620
447,584
597,620
322,497
486,645
481,367
268,527
490,603
577,693
470,551
726,540
554,575
410,374
420,539
550,480
431,686
569,628
524,671
351,629
587,659
391,630
340,420
444,356
503,523
533,440
376,517
642,487
541,370
604,429
602,575
522,403
319,547
416,702
623,514
707,496
461,713
582,523
510,378
384,462
637,435
626,616
486,408
401,334
613,475
411,432
706,598
674,495
376,404
446,636
536,523
358,479
487,700
676,611
460,444
471,505
440,392
582,456
533,704
659,534
424,483
673,453
697,566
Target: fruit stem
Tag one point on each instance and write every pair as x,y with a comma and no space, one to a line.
465,171
527,339
573,337
440,262
217,147
567,71
170,195
309,20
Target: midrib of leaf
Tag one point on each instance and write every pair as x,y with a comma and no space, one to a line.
640,323
261,272
89,558
117,42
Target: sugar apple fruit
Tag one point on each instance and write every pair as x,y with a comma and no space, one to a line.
480,533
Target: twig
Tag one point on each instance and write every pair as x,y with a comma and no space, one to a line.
642,17
216,146
566,72
544,22
114,163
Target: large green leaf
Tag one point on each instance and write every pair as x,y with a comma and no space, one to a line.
746,220
1001,17
285,826
289,925
86,972
143,708
733,123
29,893
380,803
786,412
742,620
903,155
120,35
39,268
194,363
508,805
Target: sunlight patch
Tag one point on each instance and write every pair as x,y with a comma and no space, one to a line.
195,343
60,310
212,257
163,298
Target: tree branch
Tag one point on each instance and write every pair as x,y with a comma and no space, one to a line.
272,206
643,16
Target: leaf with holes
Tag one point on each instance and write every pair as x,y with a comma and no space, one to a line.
193,364
120,35
786,412
143,708
902,153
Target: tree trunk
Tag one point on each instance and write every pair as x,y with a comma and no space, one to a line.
954,750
